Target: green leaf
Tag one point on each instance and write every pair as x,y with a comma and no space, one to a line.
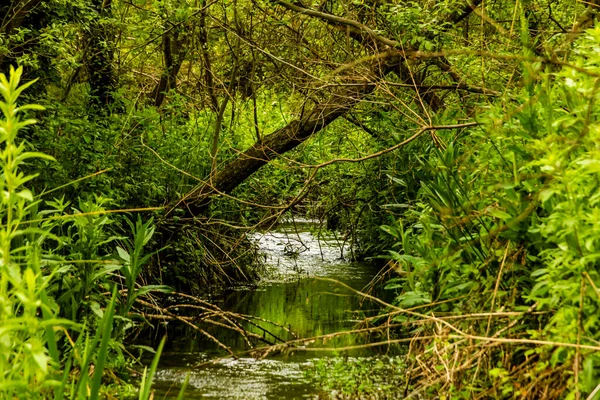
500,214
181,394
41,359
105,330
147,379
35,107
154,288
123,254
26,194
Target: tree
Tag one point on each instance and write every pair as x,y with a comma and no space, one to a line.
100,61
359,78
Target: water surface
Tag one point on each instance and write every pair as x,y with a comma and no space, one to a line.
290,295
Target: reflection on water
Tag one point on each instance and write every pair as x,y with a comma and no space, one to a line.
245,378
293,297
293,251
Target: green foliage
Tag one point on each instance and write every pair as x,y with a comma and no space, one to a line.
134,260
51,268
149,374
28,352
379,377
510,219
502,215
102,337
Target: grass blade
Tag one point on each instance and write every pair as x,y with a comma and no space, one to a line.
184,386
106,326
147,380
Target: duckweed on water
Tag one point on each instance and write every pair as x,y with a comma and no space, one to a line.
364,377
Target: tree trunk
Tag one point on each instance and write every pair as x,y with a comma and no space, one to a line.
339,103
102,77
174,51
227,178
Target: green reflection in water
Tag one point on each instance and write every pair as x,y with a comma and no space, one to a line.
306,305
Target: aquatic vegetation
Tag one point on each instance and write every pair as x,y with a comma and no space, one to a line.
345,377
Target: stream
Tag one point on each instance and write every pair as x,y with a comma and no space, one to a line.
290,295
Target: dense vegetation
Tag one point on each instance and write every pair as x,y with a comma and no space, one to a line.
454,142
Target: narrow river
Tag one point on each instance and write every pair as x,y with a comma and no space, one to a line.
292,296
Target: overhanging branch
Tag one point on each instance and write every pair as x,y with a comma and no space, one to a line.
340,21
340,102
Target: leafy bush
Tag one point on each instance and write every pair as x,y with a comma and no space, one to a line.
52,266
28,317
509,223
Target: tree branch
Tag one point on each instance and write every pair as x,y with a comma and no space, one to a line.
466,11
287,138
340,21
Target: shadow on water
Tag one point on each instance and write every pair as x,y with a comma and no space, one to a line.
291,296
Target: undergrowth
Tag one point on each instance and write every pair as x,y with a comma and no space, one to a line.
65,297
496,260
350,378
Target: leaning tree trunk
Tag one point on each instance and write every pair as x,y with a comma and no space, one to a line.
338,104
271,146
